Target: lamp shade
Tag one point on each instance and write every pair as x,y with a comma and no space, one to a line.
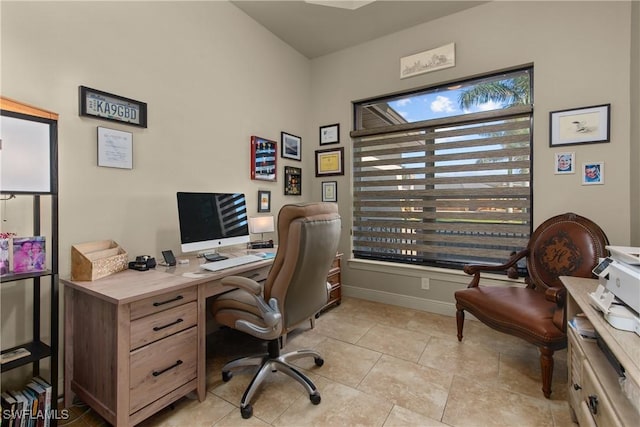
261,224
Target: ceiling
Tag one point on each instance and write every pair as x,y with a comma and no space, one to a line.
315,30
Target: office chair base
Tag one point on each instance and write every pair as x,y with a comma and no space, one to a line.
272,362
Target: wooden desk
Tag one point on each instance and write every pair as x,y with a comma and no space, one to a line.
135,341
595,394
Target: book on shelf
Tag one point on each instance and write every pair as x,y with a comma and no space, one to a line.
47,399
12,355
22,416
32,397
9,404
583,327
41,397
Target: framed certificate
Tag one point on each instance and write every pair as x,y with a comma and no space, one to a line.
115,148
330,162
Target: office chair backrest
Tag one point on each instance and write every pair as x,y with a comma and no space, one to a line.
564,245
308,236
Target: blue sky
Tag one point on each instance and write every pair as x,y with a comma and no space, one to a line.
435,105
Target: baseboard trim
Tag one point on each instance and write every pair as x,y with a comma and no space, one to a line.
422,304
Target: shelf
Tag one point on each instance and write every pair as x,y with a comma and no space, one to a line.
38,349
12,277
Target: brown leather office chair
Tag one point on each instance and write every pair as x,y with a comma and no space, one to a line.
295,290
565,245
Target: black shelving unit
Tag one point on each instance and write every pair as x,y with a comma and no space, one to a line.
39,349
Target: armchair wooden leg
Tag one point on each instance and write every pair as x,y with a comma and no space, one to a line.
460,322
546,366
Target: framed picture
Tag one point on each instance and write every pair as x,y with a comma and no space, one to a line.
330,134
29,254
115,148
565,163
593,173
330,191
292,181
427,61
264,201
580,125
291,146
107,106
263,159
330,162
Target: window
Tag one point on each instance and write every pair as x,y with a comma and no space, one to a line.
443,176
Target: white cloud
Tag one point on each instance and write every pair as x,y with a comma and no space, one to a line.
442,104
491,105
404,114
403,102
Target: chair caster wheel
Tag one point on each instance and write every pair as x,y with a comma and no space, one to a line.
226,376
315,399
319,361
246,411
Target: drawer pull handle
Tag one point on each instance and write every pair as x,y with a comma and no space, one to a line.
178,298
159,328
576,387
593,404
178,363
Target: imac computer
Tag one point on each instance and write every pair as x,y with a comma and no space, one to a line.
210,221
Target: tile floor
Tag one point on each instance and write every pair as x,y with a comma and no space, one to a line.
384,366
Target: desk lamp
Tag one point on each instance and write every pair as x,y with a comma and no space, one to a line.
261,224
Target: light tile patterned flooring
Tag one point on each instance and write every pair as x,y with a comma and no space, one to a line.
384,366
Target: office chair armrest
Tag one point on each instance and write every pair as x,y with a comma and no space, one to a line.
509,267
244,283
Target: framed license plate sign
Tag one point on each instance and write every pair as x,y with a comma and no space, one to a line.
107,106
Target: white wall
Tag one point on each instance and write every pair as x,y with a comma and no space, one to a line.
211,76
580,59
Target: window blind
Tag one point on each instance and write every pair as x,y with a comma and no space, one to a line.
444,191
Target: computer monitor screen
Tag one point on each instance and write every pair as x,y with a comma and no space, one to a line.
212,220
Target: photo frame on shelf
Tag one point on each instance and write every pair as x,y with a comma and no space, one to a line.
564,163
29,254
292,181
291,146
263,159
264,201
107,106
330,191
330,134
587,125
330,162
592,173
115,148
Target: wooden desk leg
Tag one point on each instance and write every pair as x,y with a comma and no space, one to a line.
123,364
68,346
201,369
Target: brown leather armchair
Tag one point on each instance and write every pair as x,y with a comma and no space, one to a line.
565,245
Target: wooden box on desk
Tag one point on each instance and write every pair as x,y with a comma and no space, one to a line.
93,260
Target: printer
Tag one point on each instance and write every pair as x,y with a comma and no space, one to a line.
618,294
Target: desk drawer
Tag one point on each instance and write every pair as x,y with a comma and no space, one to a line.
159,325
161,367
597,400
162,302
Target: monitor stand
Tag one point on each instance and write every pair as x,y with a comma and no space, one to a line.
214,256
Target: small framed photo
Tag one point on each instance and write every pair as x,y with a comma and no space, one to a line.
580,125
292,181
115,148
291,146
330,134
29,254
564,163
593,173
330,162
330,191
264,201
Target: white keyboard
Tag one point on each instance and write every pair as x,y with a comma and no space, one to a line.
230,262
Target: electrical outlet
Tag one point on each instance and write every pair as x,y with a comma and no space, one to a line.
425,283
